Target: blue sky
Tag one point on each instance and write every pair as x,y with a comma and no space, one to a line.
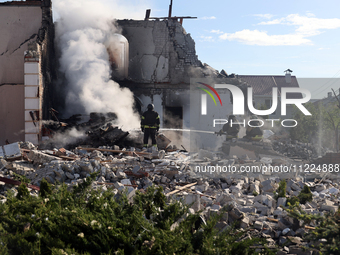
247,37
264,37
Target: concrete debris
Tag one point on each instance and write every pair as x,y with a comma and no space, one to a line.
98,131
248,198
40,157
296,149
2,153
10,151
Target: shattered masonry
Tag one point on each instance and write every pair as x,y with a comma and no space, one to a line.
249,197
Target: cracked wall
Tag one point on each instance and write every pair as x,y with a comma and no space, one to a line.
162,60
19,27
23,25
160,51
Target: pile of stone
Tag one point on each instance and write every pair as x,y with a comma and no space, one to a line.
295,149
247,198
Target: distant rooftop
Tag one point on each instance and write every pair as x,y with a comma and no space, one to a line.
21,3
262,84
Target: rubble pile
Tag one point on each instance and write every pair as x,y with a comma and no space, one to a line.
249,198
297,149
98,130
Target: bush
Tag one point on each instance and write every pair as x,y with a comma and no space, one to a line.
87,221
293,201
305,195
281,190
327,228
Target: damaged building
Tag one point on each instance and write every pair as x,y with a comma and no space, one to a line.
162,64
164,70
155,58
26,73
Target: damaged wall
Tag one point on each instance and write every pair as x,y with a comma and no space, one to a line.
160,51
19,26
162,62
186,99
24,25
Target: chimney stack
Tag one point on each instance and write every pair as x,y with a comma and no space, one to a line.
288,75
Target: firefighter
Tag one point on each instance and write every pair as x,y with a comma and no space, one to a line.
255,132
150,125
230,129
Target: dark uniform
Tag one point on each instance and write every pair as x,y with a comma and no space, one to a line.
230,130
150,125
233,129
255,132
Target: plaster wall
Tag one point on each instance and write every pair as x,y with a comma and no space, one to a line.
12,119
159,51
19,26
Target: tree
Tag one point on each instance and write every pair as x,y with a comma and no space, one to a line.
332,122
321,127
308,126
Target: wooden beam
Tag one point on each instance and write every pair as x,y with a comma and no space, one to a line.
181,188
147,14
170,9
273,220
184,17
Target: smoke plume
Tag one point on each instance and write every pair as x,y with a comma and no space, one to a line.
83,28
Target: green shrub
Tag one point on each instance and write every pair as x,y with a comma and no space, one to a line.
23,192
87,221
305,195
293,201
281,190
45,188
327,228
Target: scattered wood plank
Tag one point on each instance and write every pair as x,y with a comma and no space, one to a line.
66,157
110,183
181,188
272,219
15,182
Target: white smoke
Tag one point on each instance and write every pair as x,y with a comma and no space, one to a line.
71,136
82,30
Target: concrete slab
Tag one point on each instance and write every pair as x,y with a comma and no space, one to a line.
2,153
12,150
